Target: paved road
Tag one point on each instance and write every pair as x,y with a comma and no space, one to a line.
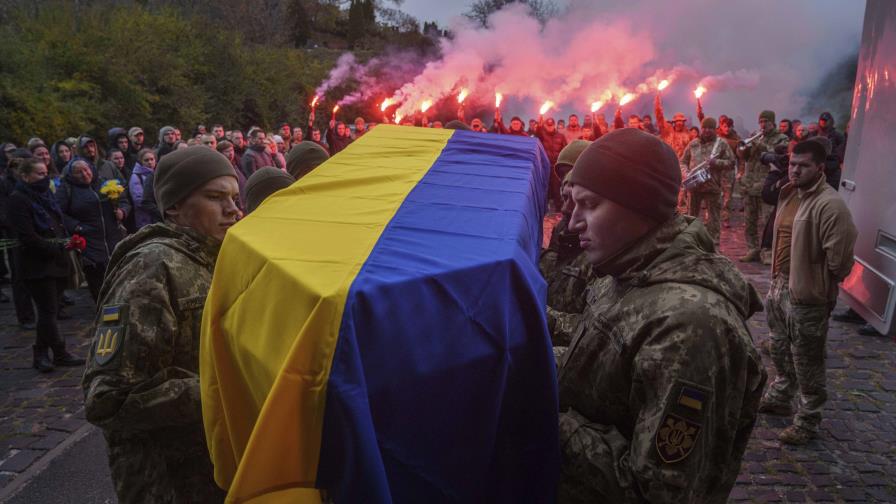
79,475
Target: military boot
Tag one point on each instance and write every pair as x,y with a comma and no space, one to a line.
64,359
751,256
775,408
796,435
41,360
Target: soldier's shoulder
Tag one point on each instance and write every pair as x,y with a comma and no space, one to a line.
687,305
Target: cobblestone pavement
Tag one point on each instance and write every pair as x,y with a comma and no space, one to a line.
38,411
854,459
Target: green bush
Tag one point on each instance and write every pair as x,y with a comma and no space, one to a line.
64,74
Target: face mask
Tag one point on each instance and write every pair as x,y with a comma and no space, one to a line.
41,186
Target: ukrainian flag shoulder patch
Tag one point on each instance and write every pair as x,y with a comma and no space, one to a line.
691,398
111,313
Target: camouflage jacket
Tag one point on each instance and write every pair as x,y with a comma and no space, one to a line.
698,151
755,172
660,386
678,140
566,271
141,384
732,140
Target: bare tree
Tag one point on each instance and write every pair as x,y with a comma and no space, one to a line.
542,10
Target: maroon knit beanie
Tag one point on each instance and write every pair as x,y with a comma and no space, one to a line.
634,169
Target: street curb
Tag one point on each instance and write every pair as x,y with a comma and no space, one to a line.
22,481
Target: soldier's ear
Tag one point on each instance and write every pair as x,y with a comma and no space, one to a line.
172,213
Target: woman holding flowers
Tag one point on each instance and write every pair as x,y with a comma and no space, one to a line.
37,222
91,210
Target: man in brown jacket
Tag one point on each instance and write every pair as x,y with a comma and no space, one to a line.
813,244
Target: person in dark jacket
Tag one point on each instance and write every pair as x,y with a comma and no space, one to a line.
167,139
4,272
42,152
553,142
771,189
61,154
20,295
94,216
113,167
37,222
256,155
119,139
135,145
785,127
88,150
516,126
226,148
338,137
837,151
149,203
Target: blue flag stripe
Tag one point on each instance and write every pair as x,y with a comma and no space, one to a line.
443,383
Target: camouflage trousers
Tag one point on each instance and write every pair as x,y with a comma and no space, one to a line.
755,214
727,190
712,217
799,348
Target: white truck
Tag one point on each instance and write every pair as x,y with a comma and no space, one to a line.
868,183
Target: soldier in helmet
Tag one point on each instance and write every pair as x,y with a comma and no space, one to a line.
141,385
660,384
756,212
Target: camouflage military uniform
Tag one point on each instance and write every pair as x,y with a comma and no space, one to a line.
660,386
709,192
566,270
141,383
798,335
756,212
729,176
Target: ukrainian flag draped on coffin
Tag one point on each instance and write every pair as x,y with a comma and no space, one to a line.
377,329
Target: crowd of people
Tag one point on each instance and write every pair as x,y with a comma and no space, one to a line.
66,205
141,226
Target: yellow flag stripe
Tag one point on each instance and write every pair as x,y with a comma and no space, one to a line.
689,402
281,283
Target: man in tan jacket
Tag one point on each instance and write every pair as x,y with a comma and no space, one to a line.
813,244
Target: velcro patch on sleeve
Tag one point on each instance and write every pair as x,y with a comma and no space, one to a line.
679,430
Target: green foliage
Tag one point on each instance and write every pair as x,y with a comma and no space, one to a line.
65,74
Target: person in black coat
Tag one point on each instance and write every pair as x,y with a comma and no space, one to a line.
37,222
20,296
94,216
